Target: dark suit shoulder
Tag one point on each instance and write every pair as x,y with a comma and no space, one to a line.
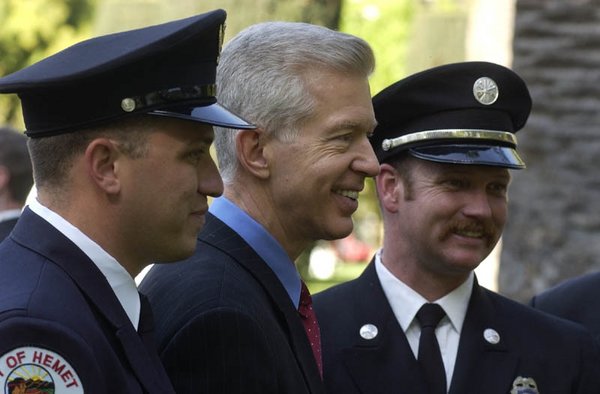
569,293
577,299
511,311
45,321
34,284
209,280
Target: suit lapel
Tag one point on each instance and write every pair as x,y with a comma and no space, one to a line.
52,244
385,363
481,364
229,242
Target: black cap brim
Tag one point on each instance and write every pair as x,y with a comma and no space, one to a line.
496,156
212,114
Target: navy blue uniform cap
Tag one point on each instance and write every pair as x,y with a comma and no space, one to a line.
461,113
165,70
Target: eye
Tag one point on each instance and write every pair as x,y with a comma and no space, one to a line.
195,156
455,183
344,137
499,189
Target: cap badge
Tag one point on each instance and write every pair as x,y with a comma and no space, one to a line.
491,336
523,385
128,104
368,331
485,91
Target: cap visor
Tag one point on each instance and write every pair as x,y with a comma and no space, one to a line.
497,156
213,114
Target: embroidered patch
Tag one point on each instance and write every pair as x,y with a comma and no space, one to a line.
28,370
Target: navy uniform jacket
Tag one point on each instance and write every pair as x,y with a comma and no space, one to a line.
577,299
54,303
557,354
6,226
225,324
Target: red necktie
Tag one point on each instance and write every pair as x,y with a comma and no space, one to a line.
311,326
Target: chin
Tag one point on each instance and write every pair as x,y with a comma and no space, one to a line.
339,232
183,252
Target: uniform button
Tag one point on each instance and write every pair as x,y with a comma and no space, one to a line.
491,336
368,331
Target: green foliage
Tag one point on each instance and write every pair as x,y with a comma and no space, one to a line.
386,26
32,30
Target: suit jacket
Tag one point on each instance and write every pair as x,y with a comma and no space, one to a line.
59,314
577,299
6,227
557,354
225,324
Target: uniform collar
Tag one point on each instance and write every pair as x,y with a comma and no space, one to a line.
405,302
118,278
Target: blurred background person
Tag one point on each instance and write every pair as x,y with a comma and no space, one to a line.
16,177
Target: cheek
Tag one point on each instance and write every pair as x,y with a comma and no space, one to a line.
500,212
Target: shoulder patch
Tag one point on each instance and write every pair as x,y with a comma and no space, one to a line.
31,369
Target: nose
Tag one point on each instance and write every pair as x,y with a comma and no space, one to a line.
477,204
210,182
366,162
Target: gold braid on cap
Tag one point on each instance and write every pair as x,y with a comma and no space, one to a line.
449,134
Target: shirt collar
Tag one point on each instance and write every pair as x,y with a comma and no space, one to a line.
405,302
10,214
118,278
263,243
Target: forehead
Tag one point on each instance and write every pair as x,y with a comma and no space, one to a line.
186,131
344,99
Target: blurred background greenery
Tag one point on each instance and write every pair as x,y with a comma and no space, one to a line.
406,35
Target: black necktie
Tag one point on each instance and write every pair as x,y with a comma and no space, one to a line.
430,357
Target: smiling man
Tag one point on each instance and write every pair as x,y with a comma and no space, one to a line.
236,318
416,321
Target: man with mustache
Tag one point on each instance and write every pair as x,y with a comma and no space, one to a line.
416,321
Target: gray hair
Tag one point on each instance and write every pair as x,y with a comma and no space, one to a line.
261,77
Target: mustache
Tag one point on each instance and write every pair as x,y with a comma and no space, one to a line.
484,228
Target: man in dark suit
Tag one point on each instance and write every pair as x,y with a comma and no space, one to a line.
15,178
575,299
416,321
119,131
236,318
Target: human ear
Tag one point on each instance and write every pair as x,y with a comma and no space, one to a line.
250,148
390,187
101,157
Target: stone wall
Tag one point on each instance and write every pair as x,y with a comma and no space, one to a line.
553,230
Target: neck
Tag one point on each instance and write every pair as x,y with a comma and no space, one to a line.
262,208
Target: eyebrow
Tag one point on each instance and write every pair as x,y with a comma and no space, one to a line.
354,125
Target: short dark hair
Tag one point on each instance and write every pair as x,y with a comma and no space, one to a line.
404,164
15,157
53,156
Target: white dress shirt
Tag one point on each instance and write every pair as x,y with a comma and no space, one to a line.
118,278
405,303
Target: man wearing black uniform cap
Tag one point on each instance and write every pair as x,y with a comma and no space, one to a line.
416,321
119,131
